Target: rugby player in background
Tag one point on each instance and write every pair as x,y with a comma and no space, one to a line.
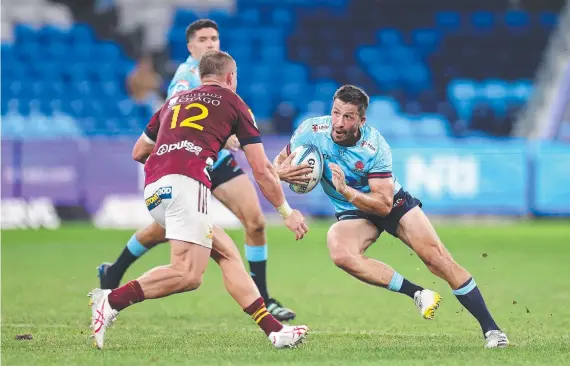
178,147
369,200
229,185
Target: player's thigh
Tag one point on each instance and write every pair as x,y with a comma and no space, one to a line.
417,232
151,234
239,196
223,247
180,205
189,258
350,237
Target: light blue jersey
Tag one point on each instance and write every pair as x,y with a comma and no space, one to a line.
187,77
370,157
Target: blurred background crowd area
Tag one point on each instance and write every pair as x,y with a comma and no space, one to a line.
434,68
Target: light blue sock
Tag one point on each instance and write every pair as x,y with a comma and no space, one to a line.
396,282
257,258
136,248
256,254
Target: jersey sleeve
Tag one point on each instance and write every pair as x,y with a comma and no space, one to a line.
151,131
247,132
382,167
303,135
183,79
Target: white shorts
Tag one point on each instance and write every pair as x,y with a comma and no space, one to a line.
180,205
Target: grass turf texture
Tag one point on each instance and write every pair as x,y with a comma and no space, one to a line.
522,270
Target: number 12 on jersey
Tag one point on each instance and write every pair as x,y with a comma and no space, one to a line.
189,122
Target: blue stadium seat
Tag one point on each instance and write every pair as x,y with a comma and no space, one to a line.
389,37
81,34
325,89
448,21
249,17
382,107
282,18
548,20
483,20
516,19
387,76
520,91
425,41
495,92
24,34
432,125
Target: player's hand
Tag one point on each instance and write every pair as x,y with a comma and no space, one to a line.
296,223
293,174
232,143
338,178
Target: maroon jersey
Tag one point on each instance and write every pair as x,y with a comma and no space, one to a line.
192,127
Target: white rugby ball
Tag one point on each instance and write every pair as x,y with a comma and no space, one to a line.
311,155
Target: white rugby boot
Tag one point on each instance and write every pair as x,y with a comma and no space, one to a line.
496,339
102,315
427,301
290,336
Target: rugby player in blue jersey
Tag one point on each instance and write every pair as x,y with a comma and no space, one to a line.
369,200
229,185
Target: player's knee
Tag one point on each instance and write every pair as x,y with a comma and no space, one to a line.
151,235
255,225
438,260
191,281
342,258
340,255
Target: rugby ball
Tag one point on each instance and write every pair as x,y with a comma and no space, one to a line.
311,155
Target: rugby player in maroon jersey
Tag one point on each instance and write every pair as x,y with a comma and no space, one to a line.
179,145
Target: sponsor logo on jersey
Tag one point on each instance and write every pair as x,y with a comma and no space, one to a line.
359,166
185,144
162,193
194,69
320,128
368,145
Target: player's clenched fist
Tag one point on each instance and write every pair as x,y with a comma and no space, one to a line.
338,178
296,223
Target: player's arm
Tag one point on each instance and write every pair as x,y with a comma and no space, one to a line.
145,144
378,202
142,149
263,171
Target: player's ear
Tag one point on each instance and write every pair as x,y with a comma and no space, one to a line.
362,121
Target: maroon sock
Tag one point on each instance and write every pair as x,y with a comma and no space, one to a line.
126,295
266,321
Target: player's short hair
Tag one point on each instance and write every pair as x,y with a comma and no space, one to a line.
197,25
353,95
214,63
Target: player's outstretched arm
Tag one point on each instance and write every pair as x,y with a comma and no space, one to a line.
378,202
287,172
268,181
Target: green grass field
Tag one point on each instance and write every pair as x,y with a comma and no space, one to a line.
523,270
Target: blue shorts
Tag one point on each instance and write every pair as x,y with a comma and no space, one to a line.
403,202
227,170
